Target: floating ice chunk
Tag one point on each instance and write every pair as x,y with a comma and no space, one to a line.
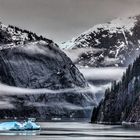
11,126
16,126
29,125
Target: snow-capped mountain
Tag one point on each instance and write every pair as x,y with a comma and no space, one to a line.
115,43
35,66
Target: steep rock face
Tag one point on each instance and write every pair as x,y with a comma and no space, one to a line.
36,65
110,44
121,102
33,62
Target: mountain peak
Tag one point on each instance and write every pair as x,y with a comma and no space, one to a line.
118,24
113,43
12,36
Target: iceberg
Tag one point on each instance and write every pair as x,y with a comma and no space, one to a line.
17,126
11,126
29,125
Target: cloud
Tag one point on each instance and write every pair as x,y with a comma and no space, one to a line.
64,104
94,74
109,73
11,90
99,89
6,93
75,53
6,105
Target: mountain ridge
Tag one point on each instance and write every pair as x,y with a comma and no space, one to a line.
110,44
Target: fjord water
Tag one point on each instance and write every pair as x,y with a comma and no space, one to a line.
74,131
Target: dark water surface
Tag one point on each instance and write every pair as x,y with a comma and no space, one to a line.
74,131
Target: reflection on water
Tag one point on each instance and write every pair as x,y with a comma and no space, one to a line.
73,131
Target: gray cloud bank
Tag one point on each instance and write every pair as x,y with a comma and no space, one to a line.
108,73
62,19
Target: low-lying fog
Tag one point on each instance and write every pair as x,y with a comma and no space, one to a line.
107,73
101,78
91,74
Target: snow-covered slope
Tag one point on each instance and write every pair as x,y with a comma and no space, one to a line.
111,44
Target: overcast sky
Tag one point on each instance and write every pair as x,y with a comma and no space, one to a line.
61,20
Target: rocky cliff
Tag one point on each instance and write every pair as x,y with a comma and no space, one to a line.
29,61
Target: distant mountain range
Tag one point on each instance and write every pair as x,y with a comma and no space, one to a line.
116,43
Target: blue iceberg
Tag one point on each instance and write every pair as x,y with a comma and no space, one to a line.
11,126
29,125
17,126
